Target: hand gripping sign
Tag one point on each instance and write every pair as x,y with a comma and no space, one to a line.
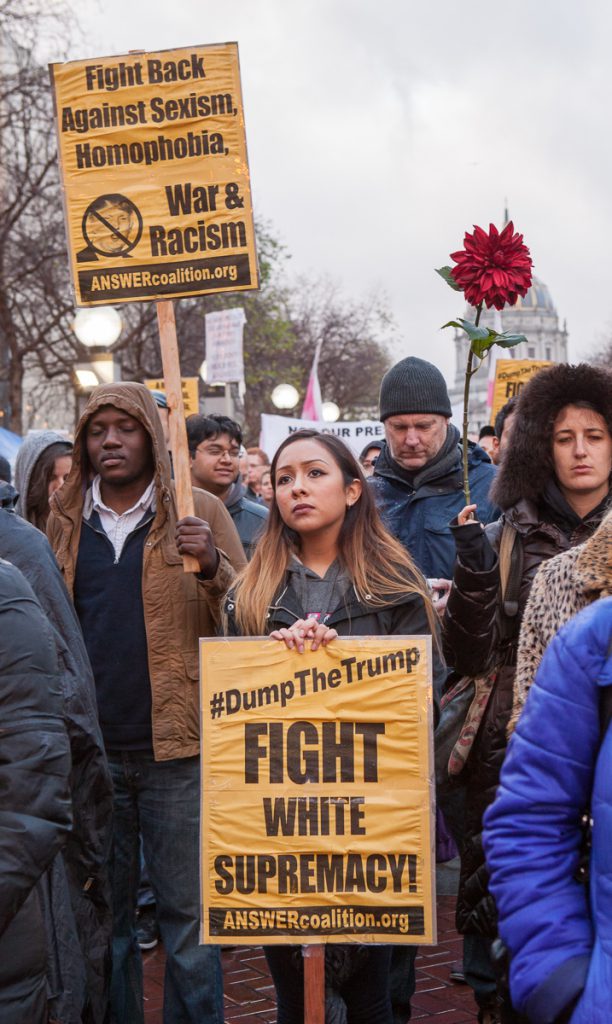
157,196
317,792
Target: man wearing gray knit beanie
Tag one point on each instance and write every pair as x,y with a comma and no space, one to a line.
418,475
418,486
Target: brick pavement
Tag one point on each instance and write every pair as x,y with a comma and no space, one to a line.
249,993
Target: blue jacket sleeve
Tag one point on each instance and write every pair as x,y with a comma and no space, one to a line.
532,831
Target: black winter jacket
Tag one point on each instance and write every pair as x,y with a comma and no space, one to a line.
478,637
75,892
404,615
35,811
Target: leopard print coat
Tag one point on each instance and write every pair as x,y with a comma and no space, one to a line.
562,586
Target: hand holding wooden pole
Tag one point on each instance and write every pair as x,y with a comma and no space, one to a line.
176,417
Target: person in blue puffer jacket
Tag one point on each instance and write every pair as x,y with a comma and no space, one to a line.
557,929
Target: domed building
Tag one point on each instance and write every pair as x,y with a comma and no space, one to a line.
534,316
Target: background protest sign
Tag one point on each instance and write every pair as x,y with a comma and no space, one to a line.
274,430
317,792
154,168
510,376
189,387
224,356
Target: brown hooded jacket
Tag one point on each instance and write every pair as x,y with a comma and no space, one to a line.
178,606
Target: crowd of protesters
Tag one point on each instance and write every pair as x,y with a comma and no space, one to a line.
99,630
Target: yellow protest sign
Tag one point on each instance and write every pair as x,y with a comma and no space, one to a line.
153,159
317,792
510,376
189,387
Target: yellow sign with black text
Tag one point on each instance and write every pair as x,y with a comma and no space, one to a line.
317,792
510,377
155,174
189,388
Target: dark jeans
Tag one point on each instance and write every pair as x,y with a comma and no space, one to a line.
478,969
365,992
161,800
145,892
402,981
477,966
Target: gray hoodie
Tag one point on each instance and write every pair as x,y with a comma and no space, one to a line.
28,454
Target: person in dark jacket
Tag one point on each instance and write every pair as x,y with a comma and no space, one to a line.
214,445
368,457
35,813
418,476
119,542
75,889
559,931
418,487
325,566
553,487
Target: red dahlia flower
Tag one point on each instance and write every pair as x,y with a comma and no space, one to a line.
494,268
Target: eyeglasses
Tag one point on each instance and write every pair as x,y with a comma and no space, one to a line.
217,451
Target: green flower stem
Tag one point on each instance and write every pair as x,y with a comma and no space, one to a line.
469,373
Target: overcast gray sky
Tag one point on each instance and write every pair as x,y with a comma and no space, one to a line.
380,130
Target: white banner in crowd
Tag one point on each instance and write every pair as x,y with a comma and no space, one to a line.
224,360
274,430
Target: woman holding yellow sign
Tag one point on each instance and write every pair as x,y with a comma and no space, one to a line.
325,566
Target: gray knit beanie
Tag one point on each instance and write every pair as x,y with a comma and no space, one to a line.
413,385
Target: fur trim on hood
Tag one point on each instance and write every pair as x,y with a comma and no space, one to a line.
527,464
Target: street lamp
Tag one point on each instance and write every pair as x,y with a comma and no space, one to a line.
330,412
285,396
97,328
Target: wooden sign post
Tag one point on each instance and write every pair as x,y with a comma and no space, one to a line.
176,417
314,984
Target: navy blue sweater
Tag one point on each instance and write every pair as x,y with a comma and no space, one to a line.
108,600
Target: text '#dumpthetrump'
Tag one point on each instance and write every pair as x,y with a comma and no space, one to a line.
312,680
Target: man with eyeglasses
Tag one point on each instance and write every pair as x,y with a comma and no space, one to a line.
214,445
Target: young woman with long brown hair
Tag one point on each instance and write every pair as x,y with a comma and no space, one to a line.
43,462
325,566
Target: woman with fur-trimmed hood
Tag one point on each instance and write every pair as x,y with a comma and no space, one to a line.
553,487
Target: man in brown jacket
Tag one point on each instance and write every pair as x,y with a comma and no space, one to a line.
114,530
